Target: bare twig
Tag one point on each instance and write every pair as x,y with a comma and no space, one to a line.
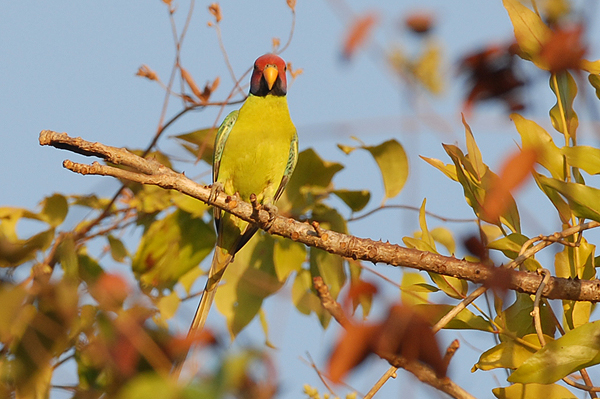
537,322
292,28
412,208
314,366
557,237
390,373
458,308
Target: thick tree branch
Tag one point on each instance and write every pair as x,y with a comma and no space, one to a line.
149,171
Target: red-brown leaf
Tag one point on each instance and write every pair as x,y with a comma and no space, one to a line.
351,349
512,175
110,291
491,75
408,334
419,22
564,49
358,34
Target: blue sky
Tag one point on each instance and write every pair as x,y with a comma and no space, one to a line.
70,66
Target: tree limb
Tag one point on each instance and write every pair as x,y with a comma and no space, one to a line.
424,373
149,171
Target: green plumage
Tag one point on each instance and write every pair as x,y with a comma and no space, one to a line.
256,150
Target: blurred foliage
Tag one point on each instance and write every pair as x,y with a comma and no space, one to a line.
69,307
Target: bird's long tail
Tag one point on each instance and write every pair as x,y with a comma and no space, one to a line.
217,268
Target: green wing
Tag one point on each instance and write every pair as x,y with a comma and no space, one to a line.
221,139
289,169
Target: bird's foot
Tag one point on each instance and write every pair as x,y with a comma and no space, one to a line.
273,212
216,189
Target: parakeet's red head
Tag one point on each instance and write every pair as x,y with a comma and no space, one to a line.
269,76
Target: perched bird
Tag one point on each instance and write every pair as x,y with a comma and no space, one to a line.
255,152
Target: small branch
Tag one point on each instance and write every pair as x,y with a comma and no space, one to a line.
330,305
424,373
546,241
581,386
149,171
411,208
457,309
390,373
537,322
314,366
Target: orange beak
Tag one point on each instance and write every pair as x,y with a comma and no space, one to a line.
270,73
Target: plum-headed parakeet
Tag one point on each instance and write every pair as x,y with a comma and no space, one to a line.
256,149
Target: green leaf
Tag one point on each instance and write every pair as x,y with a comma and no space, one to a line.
90,201
171,247
303,297
427,68
89,269
583,157
150,199
15,252
311,174
577,349
393,164
583,200
509,245
356,200
412,291
562,207
54,209
117,248
535,137
517,318
576,262
12,298
199,142
346,148
248,281
329,267
521,391
453,287
444,237
288,257
594,79
474,155
151,385
425,236
193,206
67,256
447,169
510,354
168,305
530,31
593,67
564,87
465,173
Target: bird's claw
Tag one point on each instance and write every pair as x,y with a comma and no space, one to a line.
272,210
216,189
